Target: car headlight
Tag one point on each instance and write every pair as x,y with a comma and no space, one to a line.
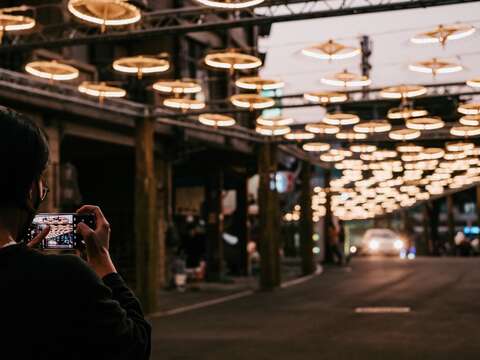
398,244
374,245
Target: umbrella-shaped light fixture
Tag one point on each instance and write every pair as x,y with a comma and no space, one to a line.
470,120
435,67
459,146
409,148
331,50
443,33
372,127
465,131
475,83
350,135
404,134
316,147
325,97
184,104
258,83
425,123
140,65
52,70
469,109
101,90
363,148
321,128
272,130
230,4
299,135
403,91
13,23
346,79
405,112
251,101
177,87
232,60
216,120
340,119
274,120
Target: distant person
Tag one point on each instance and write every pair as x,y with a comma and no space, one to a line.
56,306
334,243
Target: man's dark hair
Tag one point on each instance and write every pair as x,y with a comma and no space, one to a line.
23,157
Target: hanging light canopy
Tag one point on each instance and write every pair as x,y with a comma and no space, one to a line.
13,23
363,148
316,147
425,123
347,79
435,67
299,135
52,70
409,148
465,131
459,146
232,60
475,83
340,119
403,91
405,113
331,50
101,90
325,97
470,120
321,128
274,120
332,157
469,109
350,135
272,130
404,134
257,83
216,120
105,12
184,104
141,64
177,87
432,153
372,127
443,33
230,4
251,101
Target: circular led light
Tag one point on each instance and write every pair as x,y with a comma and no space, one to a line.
299,135
230,4
272,130
216,120
322,129
340,119
405,113
458,155
251,101
469,109
141,64
475,83
411,156
459,146
409,148
465,130
232,60
443,33
257,83
404,134
470,120
363,148
325,97
425,123
331,50
435,67
316,147
184,104
403,91
52,70
329,157
105,12
432,153
101,90
347,79
371,127
177,87
350,135
11,23
274,120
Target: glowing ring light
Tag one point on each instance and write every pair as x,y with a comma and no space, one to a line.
11,23
425,123
272,130
404,134
372,127
251,101
460,146
316,147
331,50
409,148
325,97
230,4
443,33
350,135
216,120
177,87
105,12
346,79
140,65
469,109
299,135
52,70
232,60
465,130
363,148
475,83
339,119
329,157
274,120
405,113
101,90
435,67
403,91
184,104
257,83
470,120
411,157
322,129
458,155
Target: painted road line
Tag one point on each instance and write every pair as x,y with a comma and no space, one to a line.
301,280
383,310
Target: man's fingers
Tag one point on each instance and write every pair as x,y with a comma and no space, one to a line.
99,217
84,230
39,238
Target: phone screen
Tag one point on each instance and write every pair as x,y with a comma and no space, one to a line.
63,229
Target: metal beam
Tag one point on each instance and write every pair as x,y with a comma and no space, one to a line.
181,21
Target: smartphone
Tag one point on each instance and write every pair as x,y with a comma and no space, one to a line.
63,229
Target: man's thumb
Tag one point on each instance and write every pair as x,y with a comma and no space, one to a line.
85,231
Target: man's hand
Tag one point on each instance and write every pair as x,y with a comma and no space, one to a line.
39,238
97,241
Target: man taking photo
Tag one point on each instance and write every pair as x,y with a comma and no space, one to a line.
56,306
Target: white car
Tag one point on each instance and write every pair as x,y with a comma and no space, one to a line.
382,242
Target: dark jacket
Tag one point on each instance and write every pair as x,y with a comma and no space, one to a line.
55,307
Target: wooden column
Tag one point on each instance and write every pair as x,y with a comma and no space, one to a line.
52,202
241,220
214,208
427,236
450,220
146,225
328,217
269,218
306,221
434,209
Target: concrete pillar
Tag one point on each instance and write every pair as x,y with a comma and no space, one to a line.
214,209
306,221
241,221
269,218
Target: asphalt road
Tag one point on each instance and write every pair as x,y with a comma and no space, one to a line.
317,319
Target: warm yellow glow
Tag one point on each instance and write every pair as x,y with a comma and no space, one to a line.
425,123
403,91
299,135
325,97
184,104
251,101
232,60
329,157
274,120
475,83
257,83
141,64
216,120
346,79
177,87
316,147
432,153
331,50
409,148
340,119
230,4
404,134
10,23
443,33
465,130
405,113
469,109
350,135
322,128
458,155
52,70
101,90
459,146
363,148
371,127
435,67
272,130
470,120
